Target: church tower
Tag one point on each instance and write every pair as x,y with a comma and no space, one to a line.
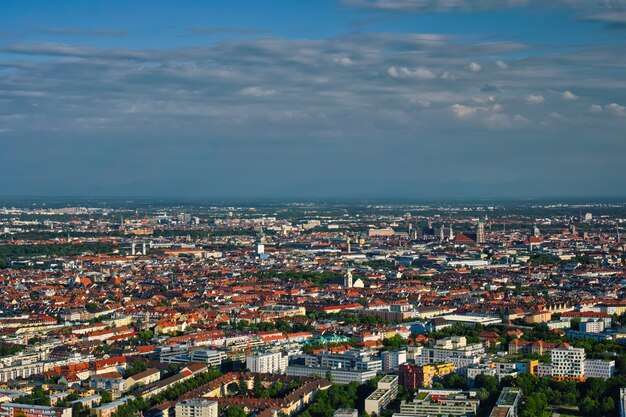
347,280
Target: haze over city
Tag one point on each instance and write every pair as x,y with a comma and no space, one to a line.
319,99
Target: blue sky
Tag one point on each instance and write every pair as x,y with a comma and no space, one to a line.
326,98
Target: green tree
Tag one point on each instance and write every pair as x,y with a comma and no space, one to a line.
236,412
589,406
146,335
535,405
106,397
243,386
257,386
607,405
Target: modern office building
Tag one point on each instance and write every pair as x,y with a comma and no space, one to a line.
568,363
337,375
352,359
599,368
208,356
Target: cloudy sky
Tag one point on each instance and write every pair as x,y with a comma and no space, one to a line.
323,98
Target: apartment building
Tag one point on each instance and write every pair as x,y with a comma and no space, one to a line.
386,391
10,373
454,350
197,407
267,363
29,410
416,376
393,359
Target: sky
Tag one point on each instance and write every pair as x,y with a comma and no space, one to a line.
359,99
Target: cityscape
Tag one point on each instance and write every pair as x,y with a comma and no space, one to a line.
120,308
313,208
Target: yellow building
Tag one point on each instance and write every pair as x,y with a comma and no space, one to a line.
430,372
538,317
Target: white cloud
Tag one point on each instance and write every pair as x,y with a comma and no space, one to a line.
447,76
420,73
504,121
557,116
465,112
345,61
474,67
595,108
422,103
502,65
568,95
535,99
616,109
257,92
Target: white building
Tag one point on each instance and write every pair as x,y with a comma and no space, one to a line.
393,359
599,368
455,350
338,375
208,356
10,373
386,391
568,363
473,371
198,407
592,326
267,363
622,402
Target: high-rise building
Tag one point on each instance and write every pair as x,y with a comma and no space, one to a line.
392,359
480,233
568,363
267,363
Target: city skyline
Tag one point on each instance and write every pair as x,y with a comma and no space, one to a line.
355,99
